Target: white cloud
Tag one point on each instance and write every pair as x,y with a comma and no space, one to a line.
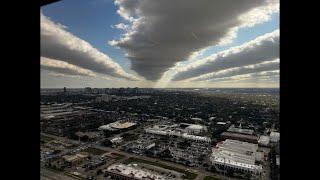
263,48
259,77
264,66
61,67
164,32
57,43
121,26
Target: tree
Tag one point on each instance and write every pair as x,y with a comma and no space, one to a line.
99,172
107,143
166,154
85,138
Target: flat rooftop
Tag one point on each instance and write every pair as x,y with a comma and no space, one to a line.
275,135
264,140
238,135
134,171
236,153
173,130
240,130
117,125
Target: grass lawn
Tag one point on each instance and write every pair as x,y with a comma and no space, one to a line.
188,175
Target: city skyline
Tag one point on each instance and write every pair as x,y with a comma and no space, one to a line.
108,44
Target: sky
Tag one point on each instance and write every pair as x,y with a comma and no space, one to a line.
167,43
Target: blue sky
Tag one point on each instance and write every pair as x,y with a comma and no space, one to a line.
91,21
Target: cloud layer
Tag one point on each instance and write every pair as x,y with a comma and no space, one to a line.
262,49
161,33
261,77
264,66
57,43
61,67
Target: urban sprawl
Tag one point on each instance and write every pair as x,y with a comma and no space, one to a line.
153,134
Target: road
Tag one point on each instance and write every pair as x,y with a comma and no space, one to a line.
201,172
46,174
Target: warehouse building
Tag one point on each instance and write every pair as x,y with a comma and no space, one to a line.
132,172
264,141
240,137
233,129
76,159
195,129
174,130
274,137
118,126
116,140
236,155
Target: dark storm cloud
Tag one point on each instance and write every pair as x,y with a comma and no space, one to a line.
164,32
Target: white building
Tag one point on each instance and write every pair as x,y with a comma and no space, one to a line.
240,130
196,119
264,140
221,123
133,171
116,140
195,129
236,155
118,125
171,131
274,137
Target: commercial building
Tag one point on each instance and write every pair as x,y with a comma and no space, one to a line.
75,159
233,129
65,120
240,137
221,123
274,137
264,140
196,119
117,126
236,155
91,136
132,172
56,110
195,129
58,145
174,130
116,140
278,160
140,146
93,163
